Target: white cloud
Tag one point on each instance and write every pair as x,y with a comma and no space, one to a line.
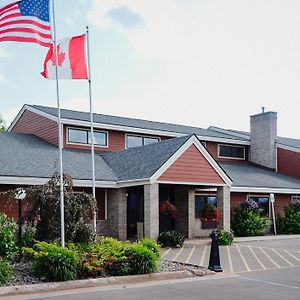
218,63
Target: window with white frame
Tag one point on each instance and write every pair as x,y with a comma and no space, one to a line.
263,203
231,151
136,140
83,137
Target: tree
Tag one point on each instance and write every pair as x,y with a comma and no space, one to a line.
2,124
43,204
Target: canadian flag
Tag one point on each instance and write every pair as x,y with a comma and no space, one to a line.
71,60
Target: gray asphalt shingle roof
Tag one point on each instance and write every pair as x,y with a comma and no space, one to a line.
249,175
24,155
135,123
142,162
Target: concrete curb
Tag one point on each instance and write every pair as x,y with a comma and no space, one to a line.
266,238
88,283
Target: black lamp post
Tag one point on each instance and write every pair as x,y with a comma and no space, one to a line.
20,195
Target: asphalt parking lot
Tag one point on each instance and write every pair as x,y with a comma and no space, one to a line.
242,256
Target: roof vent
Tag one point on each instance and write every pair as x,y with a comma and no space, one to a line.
263,109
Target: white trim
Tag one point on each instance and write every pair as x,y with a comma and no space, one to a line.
193,140
135,182
189,183
229,157
229,132
38,181
86,130
293,149
268,190
141,136
276,157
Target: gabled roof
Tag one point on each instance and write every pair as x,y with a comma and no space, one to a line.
250,175
146,161
133,124
289,142
25,155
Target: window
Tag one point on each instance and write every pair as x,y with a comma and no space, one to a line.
237,152
201,200
83,136
136,141
295,199
263,203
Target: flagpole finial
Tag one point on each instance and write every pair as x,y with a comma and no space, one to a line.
87,28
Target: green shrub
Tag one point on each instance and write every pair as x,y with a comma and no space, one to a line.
225,237
141,259
290,223
53,262
28,236
152,245
171,239
6,272
8,241
111,257
248,222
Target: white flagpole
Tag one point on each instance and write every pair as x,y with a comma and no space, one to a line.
60,136
92,126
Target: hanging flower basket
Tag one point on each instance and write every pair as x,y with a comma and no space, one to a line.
210,216
167,208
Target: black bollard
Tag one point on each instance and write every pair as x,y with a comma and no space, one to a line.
214,259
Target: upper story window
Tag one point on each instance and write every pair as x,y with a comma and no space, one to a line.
83,137
295,200
229,151
136,141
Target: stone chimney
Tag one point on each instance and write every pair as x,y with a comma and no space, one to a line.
263,134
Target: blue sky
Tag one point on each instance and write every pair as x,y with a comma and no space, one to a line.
191,62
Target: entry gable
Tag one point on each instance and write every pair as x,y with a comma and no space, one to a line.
192,164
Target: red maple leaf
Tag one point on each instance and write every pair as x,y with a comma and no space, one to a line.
61,56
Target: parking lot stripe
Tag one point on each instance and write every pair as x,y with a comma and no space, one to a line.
283,258
190,255
258,260
202,257
293,256
229,259
179,252
242,257
269,257
166,253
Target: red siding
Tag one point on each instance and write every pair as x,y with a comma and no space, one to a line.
42,127
191,166
212,148
288,162
281,201
10,206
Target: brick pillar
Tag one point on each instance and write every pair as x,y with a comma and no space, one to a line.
151,211
223,196
185,204
191,213
117,212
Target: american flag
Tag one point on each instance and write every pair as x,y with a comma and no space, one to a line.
26,21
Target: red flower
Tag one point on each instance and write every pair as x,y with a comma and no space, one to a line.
168,208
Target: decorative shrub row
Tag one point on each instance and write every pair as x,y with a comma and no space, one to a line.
107,256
